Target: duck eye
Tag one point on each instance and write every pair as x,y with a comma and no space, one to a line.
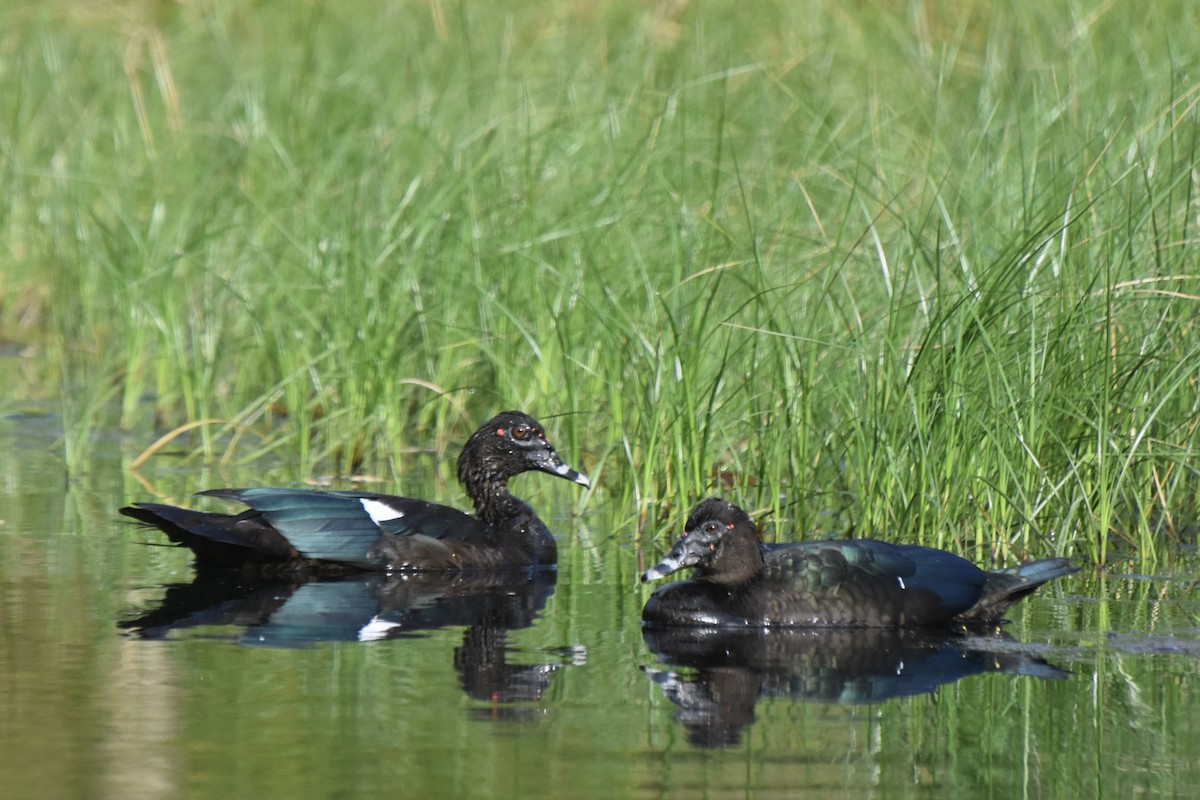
711,527
520,432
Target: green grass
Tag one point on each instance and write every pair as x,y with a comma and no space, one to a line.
923,270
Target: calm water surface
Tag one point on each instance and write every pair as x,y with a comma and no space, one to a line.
123,676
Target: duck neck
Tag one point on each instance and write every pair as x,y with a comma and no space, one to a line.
740,560
486,483
493,502
731,576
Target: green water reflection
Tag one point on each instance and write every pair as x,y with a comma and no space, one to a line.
89,709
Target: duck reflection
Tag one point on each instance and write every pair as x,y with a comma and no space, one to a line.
371,607
728,670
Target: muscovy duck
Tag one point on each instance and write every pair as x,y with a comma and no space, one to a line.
739,581
325,532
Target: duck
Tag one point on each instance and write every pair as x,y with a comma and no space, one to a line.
863,583
316,532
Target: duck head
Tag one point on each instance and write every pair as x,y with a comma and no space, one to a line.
719,540
506,445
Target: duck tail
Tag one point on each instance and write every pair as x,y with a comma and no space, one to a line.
215,539
1007,587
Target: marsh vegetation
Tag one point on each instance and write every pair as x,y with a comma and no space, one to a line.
923,268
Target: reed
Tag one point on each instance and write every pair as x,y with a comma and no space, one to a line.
925,272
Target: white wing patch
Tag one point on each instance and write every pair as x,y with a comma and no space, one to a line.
379,512
376,629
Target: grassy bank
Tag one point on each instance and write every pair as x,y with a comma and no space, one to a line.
918,267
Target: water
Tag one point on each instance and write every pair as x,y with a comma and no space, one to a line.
122,677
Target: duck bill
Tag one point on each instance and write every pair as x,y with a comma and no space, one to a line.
686,552
548,461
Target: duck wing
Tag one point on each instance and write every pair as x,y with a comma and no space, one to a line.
363,529
874,583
